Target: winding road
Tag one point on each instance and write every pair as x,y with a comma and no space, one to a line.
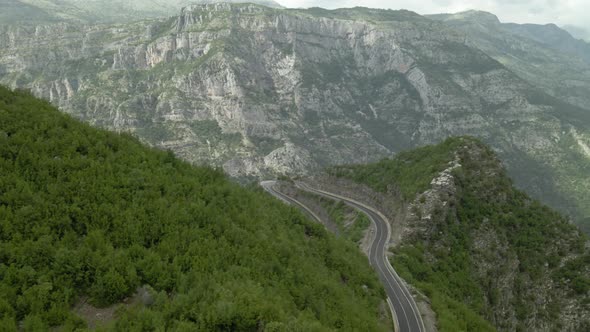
407,317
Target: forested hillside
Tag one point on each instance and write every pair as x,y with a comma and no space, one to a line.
483,252
89,213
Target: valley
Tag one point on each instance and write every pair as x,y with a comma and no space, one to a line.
224,166
265,91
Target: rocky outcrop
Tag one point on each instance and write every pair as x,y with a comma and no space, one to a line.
290,159
516,298
262,91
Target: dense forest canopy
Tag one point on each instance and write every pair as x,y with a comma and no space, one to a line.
89,213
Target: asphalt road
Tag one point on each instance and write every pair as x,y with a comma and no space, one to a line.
407,316
269,187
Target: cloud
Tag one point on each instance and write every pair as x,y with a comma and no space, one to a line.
560,12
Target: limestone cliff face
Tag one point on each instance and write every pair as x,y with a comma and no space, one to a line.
263,91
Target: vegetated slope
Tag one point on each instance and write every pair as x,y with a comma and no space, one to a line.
479,248
262,91
351,224
341,219
85,212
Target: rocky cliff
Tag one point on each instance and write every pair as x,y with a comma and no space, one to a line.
261,91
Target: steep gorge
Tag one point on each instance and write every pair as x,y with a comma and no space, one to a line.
261,91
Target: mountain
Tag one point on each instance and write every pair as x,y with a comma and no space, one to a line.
89,218
545,55
15,11
32,12
483,252
553,37
262,91
578,32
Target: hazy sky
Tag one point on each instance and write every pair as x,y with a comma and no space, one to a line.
560,12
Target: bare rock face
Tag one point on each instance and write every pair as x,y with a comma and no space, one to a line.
262,91
433,203
290,159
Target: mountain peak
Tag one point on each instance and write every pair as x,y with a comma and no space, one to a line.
267,3
479,14
469,15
